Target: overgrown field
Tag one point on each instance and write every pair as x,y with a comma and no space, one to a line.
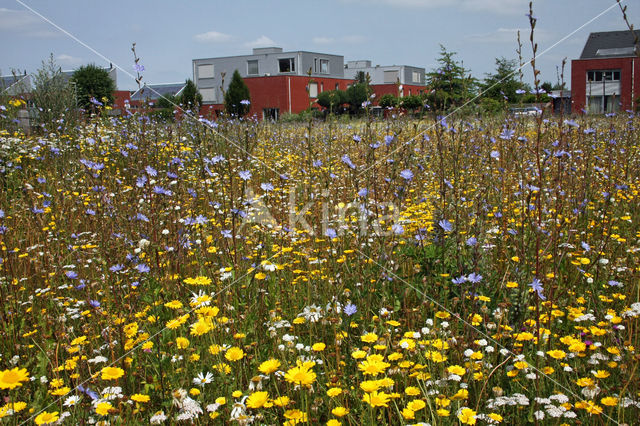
440,271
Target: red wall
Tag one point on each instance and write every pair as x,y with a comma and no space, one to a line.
579,68
120,97
393,89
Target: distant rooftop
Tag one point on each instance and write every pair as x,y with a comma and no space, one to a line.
155,91
611,44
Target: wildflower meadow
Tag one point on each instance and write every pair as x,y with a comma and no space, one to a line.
445,270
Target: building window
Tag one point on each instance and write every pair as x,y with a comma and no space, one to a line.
321,87
390,76
205,71
287,65
313,90
337,86
324,66
208,95
252,67
416,77
608,75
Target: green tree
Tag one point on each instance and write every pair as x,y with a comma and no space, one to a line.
332,100
411,102
502,85
388,101
237,98
93,82
53,96
357,94
449,85
190,96
165,107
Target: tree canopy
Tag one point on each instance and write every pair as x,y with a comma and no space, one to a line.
93,82
237,99
449,85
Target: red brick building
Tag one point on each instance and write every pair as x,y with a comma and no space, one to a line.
606,78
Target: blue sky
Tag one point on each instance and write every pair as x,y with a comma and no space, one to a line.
169,35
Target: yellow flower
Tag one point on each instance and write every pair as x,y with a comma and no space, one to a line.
609,401
556,354
282,401
370,385
260,276
457,370
257,399
111,373
408,414
46,418
461,394
495,417
138,397
443,412
296,415
234,354
332,392
200,327
467,416
269,366
301,375
369,338
372,366
358,354
412,391
601,374
416,405
585,381
340,411
182,343
11,379
376,399
103,408
318,347
198,281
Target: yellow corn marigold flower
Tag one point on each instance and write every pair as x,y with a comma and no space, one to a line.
138,397
443,412
557,354
11,379
46,418
609,401
370,385
111,373
376,399
585,381
103,408
269,366
257,399
332,392
282,401
467,416
198,281
318,347
601,374
412,391
358,354
408,414
369,337
496,417
301,375
340,411
234,354
334,422
416,405
182,342
457,370
296,415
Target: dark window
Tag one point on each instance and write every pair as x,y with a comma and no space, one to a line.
287,65
252,67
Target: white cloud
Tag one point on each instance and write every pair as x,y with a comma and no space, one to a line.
65,59
212,37
349,39
262,41
21,22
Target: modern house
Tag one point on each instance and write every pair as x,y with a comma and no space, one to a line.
15,85
398,80
150,93
606,77
278,81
